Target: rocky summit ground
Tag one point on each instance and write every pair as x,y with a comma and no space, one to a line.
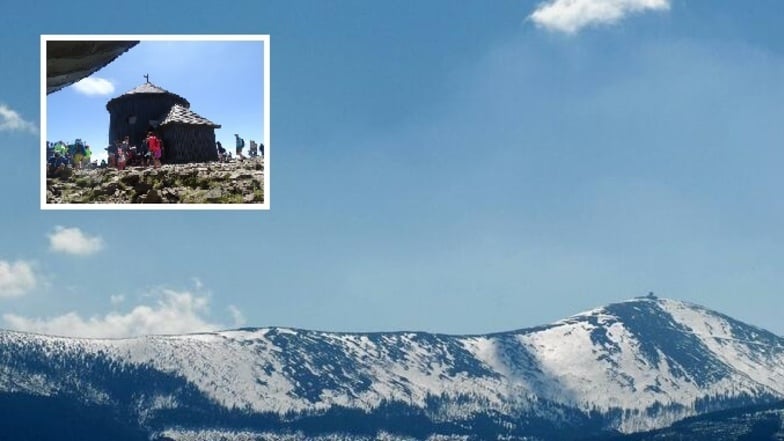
235,182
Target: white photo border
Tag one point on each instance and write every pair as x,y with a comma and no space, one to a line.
263,38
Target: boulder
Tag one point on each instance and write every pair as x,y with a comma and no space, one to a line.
213,195
152,197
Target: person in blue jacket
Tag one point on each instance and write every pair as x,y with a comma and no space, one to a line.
240,145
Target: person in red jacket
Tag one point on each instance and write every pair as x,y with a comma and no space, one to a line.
154,144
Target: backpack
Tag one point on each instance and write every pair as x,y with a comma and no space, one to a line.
242,142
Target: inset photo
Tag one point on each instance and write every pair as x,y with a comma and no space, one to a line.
155,122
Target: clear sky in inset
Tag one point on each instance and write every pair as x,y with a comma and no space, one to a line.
438,165
222,80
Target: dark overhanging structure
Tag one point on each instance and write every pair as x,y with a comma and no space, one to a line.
70,61
186,136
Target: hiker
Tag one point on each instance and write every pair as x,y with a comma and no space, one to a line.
144,152
240,145
78,154
56,165
122,156
261,149
221,152
87,154
111,152
254,149
61,148
155,147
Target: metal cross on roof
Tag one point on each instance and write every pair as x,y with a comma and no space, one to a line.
147,77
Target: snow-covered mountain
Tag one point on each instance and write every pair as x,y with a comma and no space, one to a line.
627,367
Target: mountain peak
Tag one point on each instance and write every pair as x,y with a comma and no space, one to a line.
635,364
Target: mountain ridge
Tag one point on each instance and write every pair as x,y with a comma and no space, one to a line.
409,331
629,366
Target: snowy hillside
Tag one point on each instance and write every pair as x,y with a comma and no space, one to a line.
629,366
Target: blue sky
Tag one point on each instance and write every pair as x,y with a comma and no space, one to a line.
223,81
458,168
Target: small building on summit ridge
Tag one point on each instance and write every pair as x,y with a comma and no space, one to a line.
187,137
137,111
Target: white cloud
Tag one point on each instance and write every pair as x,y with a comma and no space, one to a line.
237,316
116,299
173,313
16,278
572,15
74,241
94,86
10,120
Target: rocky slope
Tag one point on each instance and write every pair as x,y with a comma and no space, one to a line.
212,183
626,367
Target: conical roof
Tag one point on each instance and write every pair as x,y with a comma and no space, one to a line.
183,115
147,88
144,89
